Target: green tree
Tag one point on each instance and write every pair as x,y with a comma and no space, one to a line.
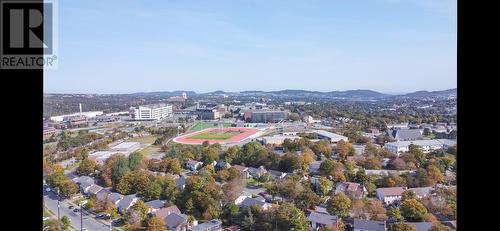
136,161
87,167
401,227
65,222
289,217
408,194
119,168
248,223
394,214
152,191
69,188
324,185
412,210
339,205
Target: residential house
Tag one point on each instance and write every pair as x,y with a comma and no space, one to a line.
154,205
422,192
177,222
351,189
318,220
193,165
390,195
94,189
369,225
426,145
242,170
421,226
277,174
212,225
164,212
126,202
259,201
221,165
257,172
181,182
242,197
314,167
115,198
103,194
82,179
84,187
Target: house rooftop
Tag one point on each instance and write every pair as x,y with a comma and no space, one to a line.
207,225
421,226
155,204
369,225
391,191
322,218
164,212
175,219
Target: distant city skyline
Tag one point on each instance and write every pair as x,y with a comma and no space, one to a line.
389,46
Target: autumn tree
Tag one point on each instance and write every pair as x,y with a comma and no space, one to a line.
412,210
324,185
394,214
156,224
87,167
339,205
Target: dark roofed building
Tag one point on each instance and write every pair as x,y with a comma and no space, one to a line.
369,225
126,202
177,222
154,205
103,194
406,134
317,220
115,198
257,172
164,212
259,201
212,225
421,226
94,189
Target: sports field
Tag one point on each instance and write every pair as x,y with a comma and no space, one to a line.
204,125
217,135
214,135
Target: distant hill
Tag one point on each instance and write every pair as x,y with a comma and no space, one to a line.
164,93
360,94
421,94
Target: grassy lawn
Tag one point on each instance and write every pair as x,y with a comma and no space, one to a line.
150,149
214,136
252,182
204,125
46,213
144,139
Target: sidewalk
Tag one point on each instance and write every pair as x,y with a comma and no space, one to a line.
91,215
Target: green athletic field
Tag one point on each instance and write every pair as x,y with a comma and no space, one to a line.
214,136
203,125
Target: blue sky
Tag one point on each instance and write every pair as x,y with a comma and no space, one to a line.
391,46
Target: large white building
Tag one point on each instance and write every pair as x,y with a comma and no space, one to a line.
426,145
152,112
332,137
87,114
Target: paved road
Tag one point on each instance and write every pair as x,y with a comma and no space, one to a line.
50,202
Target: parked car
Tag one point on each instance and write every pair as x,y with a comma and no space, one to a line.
76,210
71,207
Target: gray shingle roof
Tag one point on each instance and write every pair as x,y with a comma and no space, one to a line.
322,218
208,226
94,189
407,134
421,226
252,201
83,179
114,197
174,220
156,204
369,225
126,201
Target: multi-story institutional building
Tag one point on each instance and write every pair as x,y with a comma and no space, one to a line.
207,114
426,145
152,112
265,116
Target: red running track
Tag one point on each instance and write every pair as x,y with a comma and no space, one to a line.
247,132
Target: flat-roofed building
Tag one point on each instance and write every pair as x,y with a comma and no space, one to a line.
330,136
277,139
265,116
152,112
426,145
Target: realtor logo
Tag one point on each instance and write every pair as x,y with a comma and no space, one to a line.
27,35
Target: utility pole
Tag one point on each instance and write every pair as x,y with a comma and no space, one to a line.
58,205
81,217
